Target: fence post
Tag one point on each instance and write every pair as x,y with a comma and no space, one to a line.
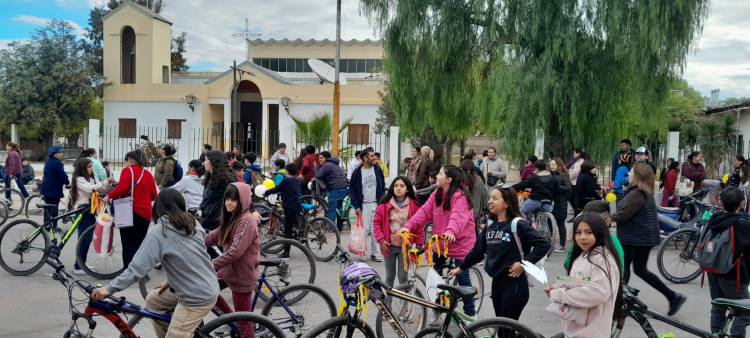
93,136
673,145
183,148
14,134
394,153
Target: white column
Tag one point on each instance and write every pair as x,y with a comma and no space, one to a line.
264,129
93,135
539,146
183,145
227,126
394,155
673,145
14,134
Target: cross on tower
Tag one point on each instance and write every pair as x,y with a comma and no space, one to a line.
246,34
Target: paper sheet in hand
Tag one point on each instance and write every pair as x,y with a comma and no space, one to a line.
535,271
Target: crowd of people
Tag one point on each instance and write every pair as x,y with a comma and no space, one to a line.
217,188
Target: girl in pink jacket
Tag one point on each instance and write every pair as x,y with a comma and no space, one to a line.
449,209
590,297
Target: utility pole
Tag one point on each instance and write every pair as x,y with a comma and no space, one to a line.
246,34
336,85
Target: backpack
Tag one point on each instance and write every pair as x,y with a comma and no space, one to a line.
256,178
540,264
716,253
177,173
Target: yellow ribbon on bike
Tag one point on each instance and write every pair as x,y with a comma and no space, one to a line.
405,243
96,202
342,303
435,240
363,296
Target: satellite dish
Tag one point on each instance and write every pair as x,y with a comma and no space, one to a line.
325,72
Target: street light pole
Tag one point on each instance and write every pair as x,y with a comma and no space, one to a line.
336,85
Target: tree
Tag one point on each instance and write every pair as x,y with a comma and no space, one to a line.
46,83
386,115
584,72
179,63
317,129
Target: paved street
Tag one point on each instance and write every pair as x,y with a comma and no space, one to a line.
36,306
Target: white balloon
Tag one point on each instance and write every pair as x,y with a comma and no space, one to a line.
272,198
260,190
309,185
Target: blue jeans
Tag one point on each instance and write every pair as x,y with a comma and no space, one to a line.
19,183
334,197
87,221
531,206
464,279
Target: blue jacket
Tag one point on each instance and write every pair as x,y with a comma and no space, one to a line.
621,179
54,178
355,186
247,175
331,174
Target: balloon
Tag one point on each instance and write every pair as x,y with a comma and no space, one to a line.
611,197
260,190
269,184
725,179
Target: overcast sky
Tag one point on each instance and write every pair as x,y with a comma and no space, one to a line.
721,59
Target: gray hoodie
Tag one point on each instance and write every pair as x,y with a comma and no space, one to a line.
190,272
191,188
494,167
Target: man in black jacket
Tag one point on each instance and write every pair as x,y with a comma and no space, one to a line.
544,187
366,188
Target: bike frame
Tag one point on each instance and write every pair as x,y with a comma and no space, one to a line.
293,320
50,225
110,312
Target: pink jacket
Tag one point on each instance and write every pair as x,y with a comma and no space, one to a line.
596,298
459,222
238,265
381,226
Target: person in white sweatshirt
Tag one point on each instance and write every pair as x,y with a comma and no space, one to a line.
191,185
84,183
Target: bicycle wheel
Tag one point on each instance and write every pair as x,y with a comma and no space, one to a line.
410,316
23,247
340,327
100,266
677,257
300,267
477,280
322,238
271,228
3,213
238,325
499,327
14,200
30,209
316,306
547,228
432,332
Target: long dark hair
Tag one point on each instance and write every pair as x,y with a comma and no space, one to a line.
88,152
226,227
135,155
409,190
509,196
603,239
170,204
457,184
221,175
470,169
80,169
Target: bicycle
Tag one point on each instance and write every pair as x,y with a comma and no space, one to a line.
3,213
635,308
113,309
542,221
43,239
319,234
285,308
344,216
15,201
681,266
350,324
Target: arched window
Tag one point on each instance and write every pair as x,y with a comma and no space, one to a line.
127,48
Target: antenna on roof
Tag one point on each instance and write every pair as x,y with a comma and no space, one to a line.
246,34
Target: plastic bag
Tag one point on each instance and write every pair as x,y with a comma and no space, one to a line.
357,241
103,234
431,284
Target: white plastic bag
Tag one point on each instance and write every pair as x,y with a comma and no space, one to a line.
433,280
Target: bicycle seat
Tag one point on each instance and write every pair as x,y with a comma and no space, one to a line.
273,261
464,291
46,206
739,305
307,207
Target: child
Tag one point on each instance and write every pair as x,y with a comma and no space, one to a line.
279,171
450,210
510,289
191,185
591,296
237,234
231,158
398,205
28,172
239,172
175,240
83,185
621,175
290,195
725,286
252,170
107,169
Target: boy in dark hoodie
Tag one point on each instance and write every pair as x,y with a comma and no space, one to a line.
251,169
725,286
289,190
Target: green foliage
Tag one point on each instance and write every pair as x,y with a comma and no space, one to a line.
317,129
386,115
46,83
179,63
682,104
588,73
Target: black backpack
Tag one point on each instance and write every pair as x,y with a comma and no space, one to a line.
178,172
716,253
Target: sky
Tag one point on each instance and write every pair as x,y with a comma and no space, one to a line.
720,59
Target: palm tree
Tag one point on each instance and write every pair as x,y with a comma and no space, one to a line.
712,145
317,130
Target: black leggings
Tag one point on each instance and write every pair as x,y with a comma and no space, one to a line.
562,230
290,222
132,237
509,295
638,256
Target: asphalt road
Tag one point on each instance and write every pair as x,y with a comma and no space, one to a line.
37,306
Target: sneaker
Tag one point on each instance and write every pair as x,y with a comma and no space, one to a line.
376,258
78,272
676,303
559,249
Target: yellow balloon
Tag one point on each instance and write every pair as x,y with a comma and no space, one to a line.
725,179
611,197
269,184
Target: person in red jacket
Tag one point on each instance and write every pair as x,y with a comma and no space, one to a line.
237,267
13,170
670,197
397,206
143,194
309,166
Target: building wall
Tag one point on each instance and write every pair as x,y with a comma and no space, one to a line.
315,49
